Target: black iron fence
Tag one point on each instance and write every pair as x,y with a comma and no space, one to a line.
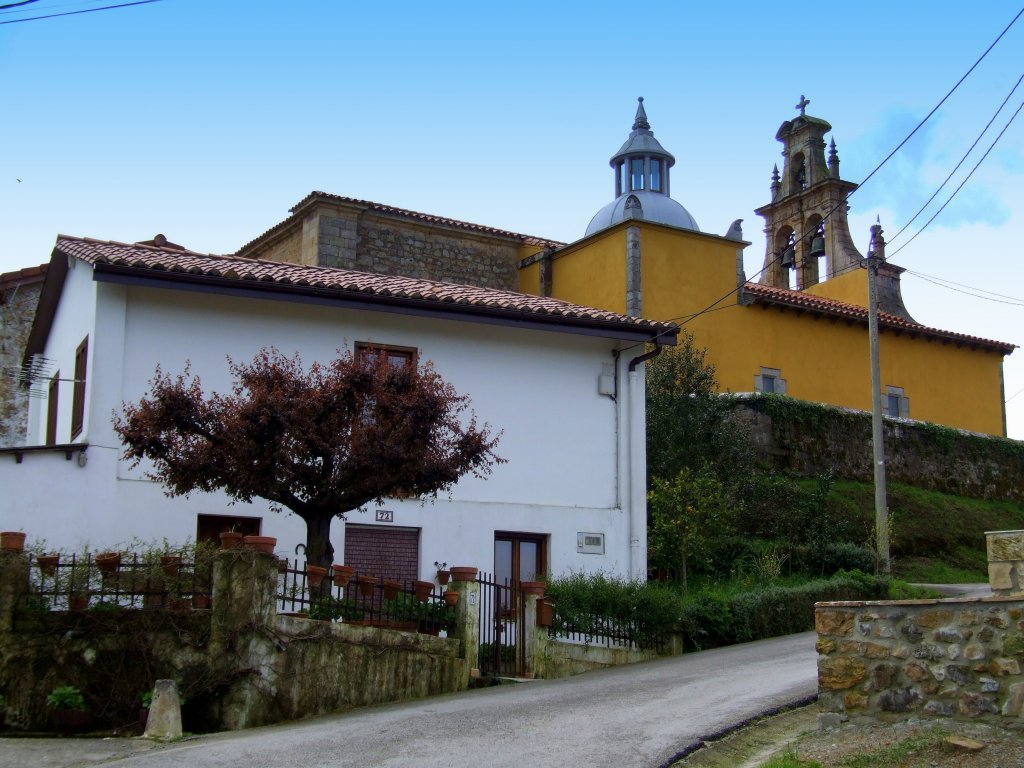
113,580
345,595
501,612
606,631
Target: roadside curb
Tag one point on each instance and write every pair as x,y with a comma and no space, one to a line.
718,735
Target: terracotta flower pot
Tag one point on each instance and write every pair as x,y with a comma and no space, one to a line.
463,573
78,602
12,541
315,575
230,540
48,564
171,564
422,590
391,588
260,543
451,598
443,577
108,562
533,587
342,574
366,585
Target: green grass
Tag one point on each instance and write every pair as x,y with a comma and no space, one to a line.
949,531
789,759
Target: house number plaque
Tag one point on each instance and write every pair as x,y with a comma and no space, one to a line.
385,516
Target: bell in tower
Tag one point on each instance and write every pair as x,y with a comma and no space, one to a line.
806,220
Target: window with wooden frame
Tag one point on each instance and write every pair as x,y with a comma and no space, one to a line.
78,404
52,396
396,356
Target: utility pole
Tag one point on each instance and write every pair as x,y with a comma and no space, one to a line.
876,254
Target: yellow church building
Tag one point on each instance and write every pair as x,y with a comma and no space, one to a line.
801,327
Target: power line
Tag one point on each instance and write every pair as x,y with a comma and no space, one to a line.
962,159
966,179
866,178
15,5
87,10
939,282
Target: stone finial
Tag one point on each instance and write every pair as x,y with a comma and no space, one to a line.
877,249
776,179
640,121
833,159
735,231
802,104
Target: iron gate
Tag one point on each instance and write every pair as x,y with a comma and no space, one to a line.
502,612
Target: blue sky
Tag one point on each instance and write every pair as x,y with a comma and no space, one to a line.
207,121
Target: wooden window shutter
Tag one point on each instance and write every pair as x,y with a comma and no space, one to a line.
51,409
78,404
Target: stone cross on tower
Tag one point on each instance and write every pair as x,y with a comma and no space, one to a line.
802,104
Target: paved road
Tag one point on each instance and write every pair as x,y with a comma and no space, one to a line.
639,715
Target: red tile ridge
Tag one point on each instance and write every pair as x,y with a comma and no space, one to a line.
828,305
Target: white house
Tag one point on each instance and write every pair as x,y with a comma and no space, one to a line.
563,382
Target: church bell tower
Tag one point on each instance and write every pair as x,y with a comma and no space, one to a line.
806,220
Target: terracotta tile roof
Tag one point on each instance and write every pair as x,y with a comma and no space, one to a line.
424,218
757,293
25,275
234,271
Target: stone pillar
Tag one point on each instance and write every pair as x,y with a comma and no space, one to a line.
244,608
1005,562
535,638
468,622
164,719
13,584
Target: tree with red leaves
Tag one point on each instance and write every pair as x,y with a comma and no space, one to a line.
319,443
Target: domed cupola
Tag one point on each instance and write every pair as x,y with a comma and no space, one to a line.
641,182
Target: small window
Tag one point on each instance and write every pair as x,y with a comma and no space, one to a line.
770,381
621,179
896,404
636,173
396,356
52,396
78,404
656,175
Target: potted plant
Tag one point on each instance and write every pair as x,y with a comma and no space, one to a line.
463,572
70,712
315,575
366,584
12,541
48,563
391,588
422,590
264,544
231,539
75,583
342,574
443,574
170,564
107,562
451,597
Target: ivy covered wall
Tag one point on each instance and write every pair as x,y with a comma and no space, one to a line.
803,438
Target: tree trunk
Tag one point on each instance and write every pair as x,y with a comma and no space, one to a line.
318,539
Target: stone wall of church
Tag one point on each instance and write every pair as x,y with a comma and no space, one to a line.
392,247
806,439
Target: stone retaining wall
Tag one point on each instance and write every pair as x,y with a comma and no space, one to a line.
959,658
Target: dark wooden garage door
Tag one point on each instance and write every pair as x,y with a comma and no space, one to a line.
391,553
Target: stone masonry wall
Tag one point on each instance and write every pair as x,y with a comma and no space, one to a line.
18,303
803,438
959,658
392,247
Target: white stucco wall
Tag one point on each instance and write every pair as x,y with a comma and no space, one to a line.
561,437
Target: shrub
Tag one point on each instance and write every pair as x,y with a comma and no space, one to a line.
583,601
65,697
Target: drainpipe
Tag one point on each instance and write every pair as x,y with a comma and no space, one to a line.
637,467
